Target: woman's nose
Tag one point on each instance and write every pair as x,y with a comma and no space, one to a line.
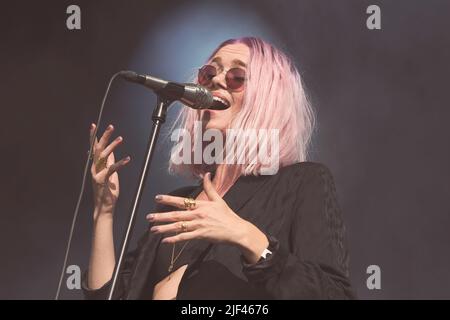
219,80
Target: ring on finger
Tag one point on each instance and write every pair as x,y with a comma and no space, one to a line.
189,203
100,164
183,226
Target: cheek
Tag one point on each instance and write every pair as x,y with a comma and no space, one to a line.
229,113
238,100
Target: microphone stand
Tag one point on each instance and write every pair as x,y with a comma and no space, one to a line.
158,117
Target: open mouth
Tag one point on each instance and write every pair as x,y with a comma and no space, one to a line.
220,103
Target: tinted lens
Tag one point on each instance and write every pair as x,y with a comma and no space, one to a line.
206,74
235,78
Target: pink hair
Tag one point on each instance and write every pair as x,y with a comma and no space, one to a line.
274,98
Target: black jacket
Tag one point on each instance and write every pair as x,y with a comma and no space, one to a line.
297,208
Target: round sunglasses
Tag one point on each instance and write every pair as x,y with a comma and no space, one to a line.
234,78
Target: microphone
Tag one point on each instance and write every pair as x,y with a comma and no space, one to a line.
190,94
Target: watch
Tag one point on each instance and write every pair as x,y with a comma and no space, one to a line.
273,244
265,253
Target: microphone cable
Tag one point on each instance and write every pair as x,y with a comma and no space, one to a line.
80,196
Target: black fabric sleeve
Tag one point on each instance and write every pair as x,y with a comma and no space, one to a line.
315,265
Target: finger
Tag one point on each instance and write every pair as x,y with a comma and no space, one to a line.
105,137
91,130
196,234
118,165
177,202
172,216
110,148
91,134
175,227
110,160
209,188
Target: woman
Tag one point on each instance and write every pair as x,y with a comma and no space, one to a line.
239,234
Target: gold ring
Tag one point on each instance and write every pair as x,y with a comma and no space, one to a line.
189,203
183,226
100,164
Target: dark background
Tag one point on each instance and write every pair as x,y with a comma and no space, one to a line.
380,97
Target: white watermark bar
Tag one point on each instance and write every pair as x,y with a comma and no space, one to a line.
236,146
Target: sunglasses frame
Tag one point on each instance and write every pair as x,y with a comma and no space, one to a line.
240,88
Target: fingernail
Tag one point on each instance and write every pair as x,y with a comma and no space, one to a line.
153,229
110,127
158,197
119,139
150,216
208,175
127,158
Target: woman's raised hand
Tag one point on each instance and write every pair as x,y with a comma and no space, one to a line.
105,179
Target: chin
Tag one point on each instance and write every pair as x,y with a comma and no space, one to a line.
216,124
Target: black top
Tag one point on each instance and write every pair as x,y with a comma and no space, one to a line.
296,208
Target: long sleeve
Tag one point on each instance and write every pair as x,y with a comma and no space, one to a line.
315,264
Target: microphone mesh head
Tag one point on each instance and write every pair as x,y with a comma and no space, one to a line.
206,99
129,75
197,97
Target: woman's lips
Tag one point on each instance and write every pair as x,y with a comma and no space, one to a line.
222,99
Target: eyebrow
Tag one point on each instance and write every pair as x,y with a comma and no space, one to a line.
235,61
